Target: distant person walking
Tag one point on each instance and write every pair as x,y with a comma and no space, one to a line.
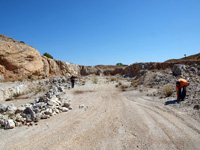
181,85
73,80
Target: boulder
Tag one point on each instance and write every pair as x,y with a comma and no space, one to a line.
60,89
40,105
9,124
2,120
20,109
64,109
18,124
66,104
37,117
81,106
29,114
43,99
49,112
178,69
43,116
19,118
54,101
3,108
11,109
70,108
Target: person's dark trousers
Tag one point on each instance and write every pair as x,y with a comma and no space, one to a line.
182,93
72,83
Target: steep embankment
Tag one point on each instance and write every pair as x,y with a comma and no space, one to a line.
19,60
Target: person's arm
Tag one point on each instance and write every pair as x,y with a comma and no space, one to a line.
185,85
188,83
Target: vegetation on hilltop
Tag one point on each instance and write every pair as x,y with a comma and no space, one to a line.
48,55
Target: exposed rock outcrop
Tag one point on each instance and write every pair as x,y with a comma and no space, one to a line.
87,70
11,89
19,60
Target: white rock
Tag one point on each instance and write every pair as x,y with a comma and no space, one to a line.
3,108
64,109
20,109
49,112
81,106
57,111
11,109
9,124
70,107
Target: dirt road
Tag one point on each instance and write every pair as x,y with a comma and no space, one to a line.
110,120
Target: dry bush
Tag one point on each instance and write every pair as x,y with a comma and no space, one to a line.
40,89
17,94
134,83
168,91
124,87
113,79
83,82
95,80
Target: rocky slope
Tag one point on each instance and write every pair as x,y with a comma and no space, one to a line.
195,57
19,61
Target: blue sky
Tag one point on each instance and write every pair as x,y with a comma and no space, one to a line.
93,32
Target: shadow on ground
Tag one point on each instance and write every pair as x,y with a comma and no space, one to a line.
172,102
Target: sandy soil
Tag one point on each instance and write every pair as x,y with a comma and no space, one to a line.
110,120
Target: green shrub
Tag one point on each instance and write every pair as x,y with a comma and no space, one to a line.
48,55
22,42
124,87
30,77
121,64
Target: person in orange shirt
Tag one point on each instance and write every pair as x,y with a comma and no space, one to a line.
181,85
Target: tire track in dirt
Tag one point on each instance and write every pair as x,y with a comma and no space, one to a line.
114,120
180,133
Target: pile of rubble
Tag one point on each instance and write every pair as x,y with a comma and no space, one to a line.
42,108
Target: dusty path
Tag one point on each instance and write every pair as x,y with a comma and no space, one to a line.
111,120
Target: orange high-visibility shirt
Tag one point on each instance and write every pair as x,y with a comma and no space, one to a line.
183,83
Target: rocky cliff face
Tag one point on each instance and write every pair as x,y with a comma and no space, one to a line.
134,70
19,60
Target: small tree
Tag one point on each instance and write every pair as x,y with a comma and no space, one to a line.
48,55
22,42
121,64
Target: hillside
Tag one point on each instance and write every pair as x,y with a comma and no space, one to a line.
195,57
